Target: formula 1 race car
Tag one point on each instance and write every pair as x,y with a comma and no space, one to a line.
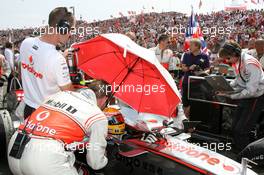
171,153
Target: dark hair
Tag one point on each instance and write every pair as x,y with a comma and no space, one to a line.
101,88
8,45
162,37
230,48
58,14
17,42
16,51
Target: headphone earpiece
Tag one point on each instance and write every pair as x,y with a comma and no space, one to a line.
63,27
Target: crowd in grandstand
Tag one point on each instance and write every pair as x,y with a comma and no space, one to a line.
216,28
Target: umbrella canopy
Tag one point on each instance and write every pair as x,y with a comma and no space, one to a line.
134,73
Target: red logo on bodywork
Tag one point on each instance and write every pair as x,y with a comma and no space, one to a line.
42,115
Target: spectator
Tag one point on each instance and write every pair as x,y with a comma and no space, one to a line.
131,35
174,66
9,55
192,61
258,52
163,54
4,74
251,44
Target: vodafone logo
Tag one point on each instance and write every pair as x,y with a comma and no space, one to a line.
31,60
42,116
44,128
218,163
31,70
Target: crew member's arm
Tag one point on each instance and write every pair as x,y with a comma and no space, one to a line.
62,75
95,156
68,87
251,85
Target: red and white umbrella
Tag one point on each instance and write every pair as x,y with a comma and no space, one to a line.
136,76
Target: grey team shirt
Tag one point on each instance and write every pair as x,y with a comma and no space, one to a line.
254,77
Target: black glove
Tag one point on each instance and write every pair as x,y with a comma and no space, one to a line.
86,169
97,172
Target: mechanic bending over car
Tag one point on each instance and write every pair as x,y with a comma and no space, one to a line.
44,69
65,121
249,91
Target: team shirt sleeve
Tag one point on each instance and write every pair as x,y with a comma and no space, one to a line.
61,72
251,84
95,156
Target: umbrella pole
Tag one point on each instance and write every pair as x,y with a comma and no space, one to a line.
112,94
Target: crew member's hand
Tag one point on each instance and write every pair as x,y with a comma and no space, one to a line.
192,67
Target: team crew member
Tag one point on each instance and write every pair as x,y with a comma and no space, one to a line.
44,69
249,86
192,61
258,52
64,122
5,72
163,54
9,55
